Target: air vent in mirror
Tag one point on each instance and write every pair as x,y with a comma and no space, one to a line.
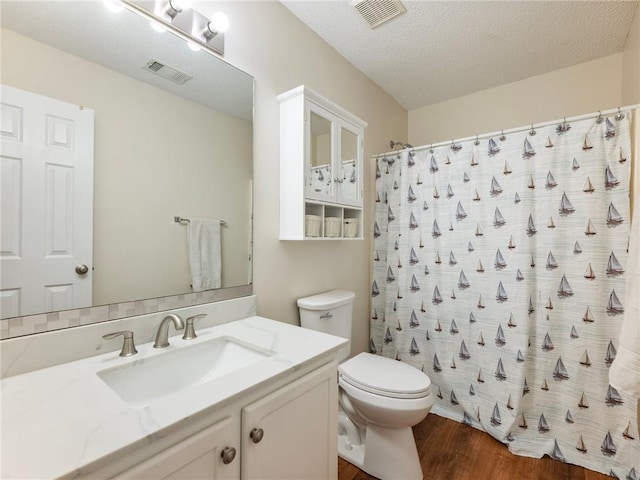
167,72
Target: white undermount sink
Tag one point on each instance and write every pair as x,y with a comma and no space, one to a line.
142,381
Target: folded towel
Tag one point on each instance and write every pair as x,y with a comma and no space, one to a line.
204,254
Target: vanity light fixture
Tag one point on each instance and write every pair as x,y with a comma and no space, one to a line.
113,6
177,16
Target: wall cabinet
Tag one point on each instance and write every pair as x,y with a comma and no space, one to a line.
321,168
289,433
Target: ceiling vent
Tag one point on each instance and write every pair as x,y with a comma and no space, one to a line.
167,72
377,12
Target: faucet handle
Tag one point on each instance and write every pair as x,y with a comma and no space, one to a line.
190,331
128,346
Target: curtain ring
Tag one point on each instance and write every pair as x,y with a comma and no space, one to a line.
620,115
532,132
502,136
477,142
599,119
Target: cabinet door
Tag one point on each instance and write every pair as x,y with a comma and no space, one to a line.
299,427
349,165
198,457
320,175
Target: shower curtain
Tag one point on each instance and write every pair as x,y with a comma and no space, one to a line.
499,270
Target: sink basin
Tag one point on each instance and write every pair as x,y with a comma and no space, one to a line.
142,381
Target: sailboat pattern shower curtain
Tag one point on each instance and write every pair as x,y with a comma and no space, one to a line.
499,270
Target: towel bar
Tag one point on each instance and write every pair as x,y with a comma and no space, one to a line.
183,220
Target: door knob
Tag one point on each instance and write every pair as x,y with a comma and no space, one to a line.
256,435
227,455
81,269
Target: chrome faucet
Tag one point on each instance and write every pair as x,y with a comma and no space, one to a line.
162,337
190,331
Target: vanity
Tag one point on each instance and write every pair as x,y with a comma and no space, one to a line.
251,398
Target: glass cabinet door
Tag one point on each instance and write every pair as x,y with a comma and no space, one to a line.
349,183
320,175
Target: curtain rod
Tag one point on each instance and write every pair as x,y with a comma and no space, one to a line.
532,126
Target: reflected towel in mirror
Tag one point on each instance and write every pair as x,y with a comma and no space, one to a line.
204,254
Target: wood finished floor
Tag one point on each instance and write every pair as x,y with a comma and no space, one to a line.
453,451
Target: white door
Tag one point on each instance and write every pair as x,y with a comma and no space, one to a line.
46,149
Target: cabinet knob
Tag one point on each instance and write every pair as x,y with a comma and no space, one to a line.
256,435
227,455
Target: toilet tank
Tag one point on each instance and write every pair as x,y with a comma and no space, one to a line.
329,312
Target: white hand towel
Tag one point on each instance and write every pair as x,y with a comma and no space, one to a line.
204,254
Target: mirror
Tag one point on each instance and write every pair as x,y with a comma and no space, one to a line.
348,155
320,175
161,149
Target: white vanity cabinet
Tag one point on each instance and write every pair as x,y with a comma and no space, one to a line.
321,168
289,432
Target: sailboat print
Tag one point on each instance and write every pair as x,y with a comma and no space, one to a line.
387,336
480,303
481,340
531,307
580,445
418,181
591,230
437,298
585,360
531,227
613,265
511,245
551,182
435,192
396,247
608,447
610,179
495,416
375,291
399,297
577,248
628,432
464,352
422,309
425,205
493,147
472,318
476,196
449,191
435,231
480,378
500,373
413,257
511,323
583,401
556,454
516,198
495,187
390,216
438,327
462,280
614,305
586,145
589,273
519,276
478,231
447,161
466,419
421,245
473,160
500,338
465,177
588,316
413,349
470,247
575,165
544,386
622,158
415,286
507,169
377,257
551,223
376,230
453,329
480,268
574,333
372,347
436,364
390,276
588,186
610,356
543,426
500,262
426,270
568,417
452,258
610,129
565,205
460,213
433,164
525,387
549,143
411,196
613,216
374,316
413,221
547,344
498,219
523,422
519,356
564,290
395,185
399,326
527,150
501,294
531,183
451,226
439,394
471,390
560,372
437,260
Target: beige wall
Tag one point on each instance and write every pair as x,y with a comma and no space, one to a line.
142,181
271,44
576,90
631,64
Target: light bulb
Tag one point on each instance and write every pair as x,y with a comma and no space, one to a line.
157,26
194,46
219,22
113,6
180,5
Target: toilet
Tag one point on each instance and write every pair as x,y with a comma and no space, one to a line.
380,398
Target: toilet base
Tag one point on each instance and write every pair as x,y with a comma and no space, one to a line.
387,453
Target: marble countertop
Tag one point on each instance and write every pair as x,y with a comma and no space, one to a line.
58,419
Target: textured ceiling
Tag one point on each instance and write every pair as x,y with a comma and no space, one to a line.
440,50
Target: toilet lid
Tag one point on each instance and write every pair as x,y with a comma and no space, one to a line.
384,376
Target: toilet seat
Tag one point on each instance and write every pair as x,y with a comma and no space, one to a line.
383,376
